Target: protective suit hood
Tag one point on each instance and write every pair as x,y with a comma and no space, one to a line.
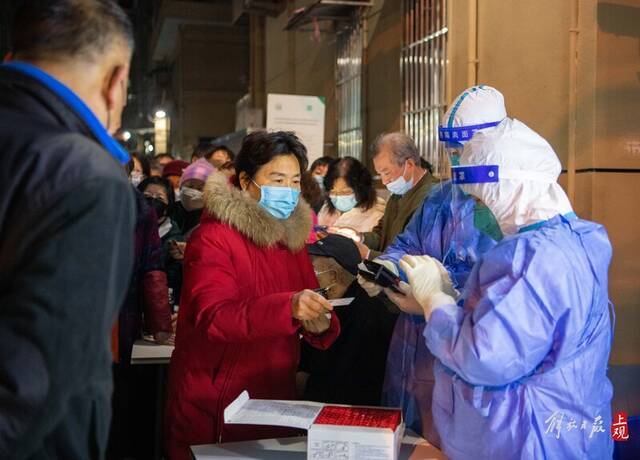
527,191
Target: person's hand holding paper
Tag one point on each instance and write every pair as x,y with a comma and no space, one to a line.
308,305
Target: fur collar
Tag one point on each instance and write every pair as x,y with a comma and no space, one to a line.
236,208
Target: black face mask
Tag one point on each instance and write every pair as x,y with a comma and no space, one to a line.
159,206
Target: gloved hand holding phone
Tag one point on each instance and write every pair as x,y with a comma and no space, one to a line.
430,282
372,288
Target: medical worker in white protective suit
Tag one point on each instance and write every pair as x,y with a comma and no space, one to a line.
522,352
453,228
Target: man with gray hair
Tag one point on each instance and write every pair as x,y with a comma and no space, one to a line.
397,160
66,225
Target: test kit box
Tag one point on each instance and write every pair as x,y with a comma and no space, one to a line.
335,432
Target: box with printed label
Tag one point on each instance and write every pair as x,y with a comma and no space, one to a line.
335,432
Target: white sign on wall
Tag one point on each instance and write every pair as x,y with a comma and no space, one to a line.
303,115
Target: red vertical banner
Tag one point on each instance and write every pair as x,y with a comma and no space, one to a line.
619,427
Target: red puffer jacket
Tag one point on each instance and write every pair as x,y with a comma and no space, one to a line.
235,329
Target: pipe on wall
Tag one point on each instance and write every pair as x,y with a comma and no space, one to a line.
573,97
472,68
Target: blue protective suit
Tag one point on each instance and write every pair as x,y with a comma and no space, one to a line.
409,377
521,364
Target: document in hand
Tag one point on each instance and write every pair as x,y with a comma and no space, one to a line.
335,432
343,302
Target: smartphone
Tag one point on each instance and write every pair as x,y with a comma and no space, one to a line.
379,274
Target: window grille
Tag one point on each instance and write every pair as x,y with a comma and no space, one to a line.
349,89
423,65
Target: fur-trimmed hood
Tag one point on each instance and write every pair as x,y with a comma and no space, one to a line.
236,208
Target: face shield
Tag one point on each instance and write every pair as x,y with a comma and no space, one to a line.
453,150
476,108
467,228
474,228
471,228
456,137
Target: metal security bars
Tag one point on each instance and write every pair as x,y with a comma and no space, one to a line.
350,50
422,66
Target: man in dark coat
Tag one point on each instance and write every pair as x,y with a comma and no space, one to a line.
351,370
66,226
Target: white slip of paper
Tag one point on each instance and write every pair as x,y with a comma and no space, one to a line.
341,302
276,413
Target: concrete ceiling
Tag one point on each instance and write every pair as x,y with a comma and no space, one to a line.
172,14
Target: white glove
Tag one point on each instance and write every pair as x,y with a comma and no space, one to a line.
430,282
371,288
447,284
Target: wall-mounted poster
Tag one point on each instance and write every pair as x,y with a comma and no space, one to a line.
304,115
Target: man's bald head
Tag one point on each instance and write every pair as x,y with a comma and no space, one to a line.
85,30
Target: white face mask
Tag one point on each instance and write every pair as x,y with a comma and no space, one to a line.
191,198
135,178
400,186
319,180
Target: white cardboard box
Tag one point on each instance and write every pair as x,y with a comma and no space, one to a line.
335,432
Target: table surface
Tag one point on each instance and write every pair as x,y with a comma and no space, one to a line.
146,352
413,448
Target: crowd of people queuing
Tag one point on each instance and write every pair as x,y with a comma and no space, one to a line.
501,317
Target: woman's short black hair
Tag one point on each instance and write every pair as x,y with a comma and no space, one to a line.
202,150
144,163
260,147
357,177
162,182
224,148
322,161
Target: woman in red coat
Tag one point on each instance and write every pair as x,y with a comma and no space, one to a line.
246,297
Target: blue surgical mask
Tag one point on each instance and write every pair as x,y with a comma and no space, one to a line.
400,186
278,201
344,203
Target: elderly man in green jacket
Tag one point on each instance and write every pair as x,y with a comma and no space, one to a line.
397,160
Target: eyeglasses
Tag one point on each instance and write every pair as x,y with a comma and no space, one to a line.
326,271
